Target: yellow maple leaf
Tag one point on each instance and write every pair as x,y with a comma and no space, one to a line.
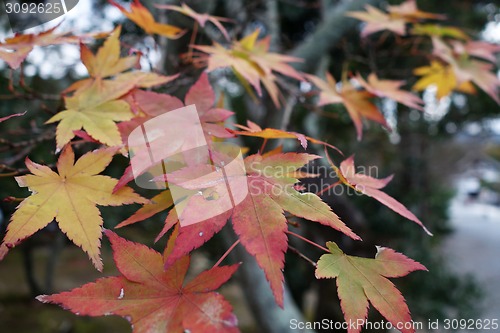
443,77
95,109
458,56
70,196
107,61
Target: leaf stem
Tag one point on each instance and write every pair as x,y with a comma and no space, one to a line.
192,41
329,187
261,150
307,241
301,255
226,253
10,174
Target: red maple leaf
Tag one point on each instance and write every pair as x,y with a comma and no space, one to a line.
146,290
371,187
150,104
259,219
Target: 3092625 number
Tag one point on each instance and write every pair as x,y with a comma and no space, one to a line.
33,8
471,324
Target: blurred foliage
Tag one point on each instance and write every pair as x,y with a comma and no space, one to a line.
422,180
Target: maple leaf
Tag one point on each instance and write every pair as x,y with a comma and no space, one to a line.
443,77
15,49
467,69
158,204
151,104
201,19
363,280
94,105
390,89
107,63
145,289
141,16
376,20
371,187
395,20
12,116
480,73
95,109
70,196
408,10
258,220
252,62
192,236
356,102
482,50
272,133
201,94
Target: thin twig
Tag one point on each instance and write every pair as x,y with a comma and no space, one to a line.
261,150
226,253
297,252
327,188
307,240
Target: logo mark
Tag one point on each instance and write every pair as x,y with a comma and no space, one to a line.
205,178
26,14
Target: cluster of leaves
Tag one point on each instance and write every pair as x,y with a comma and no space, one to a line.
104,109
455,59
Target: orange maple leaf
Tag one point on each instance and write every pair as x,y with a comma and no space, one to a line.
252,62
390,89
141,16
357,102
252,129
394,20
15,49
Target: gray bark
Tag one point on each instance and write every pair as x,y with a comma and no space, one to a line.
273,23
327,34
268,315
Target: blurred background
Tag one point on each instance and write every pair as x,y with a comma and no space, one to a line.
446,162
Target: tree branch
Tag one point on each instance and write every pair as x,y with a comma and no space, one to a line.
270,317
273,24
327,34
